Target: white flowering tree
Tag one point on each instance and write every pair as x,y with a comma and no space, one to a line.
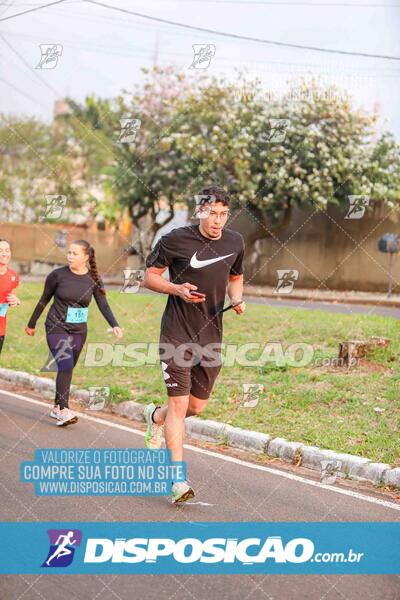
310,149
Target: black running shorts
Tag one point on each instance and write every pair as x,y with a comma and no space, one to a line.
189,368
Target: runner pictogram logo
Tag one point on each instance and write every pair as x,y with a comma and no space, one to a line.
62,547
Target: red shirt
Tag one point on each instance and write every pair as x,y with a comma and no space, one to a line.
8,282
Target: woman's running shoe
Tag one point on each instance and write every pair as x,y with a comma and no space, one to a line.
55,412
66,417
155,433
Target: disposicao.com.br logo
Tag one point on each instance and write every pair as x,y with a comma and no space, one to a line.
248,551
207,547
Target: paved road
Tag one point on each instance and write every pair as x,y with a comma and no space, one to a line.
349,309
230,490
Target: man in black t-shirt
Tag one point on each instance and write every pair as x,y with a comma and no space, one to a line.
204,262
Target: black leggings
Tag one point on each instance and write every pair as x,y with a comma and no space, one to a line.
65,348
1,342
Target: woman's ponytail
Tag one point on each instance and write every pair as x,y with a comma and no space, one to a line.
94,272
92,264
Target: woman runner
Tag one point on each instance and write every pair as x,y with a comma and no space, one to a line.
72,287
9,281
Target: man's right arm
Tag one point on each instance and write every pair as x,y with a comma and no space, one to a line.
153,280
159,259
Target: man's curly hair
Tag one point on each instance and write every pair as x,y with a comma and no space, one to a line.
213,194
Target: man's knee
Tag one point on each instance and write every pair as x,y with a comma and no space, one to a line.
177,406
195,408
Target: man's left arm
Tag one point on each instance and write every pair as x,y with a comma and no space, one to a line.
235,292
235,285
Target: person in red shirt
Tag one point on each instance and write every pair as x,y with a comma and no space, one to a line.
9,281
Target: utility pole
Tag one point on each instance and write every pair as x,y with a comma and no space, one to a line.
155,56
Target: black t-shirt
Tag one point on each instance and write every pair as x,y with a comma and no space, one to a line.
194,258
70,291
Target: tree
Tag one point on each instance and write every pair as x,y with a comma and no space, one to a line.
86,134
325,153
226,133
25,174
39,160
149,173
310,149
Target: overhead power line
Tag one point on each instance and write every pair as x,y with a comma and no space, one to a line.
283,3
32,71
260,3
14,87
31,10
238,37
212,31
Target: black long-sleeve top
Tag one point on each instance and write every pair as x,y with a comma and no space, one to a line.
69,290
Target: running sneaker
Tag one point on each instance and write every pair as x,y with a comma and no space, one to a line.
66,417
181,492
154,433
55,412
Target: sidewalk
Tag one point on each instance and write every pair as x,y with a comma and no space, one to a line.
334,296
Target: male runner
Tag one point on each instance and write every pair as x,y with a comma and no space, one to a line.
206,259
9,281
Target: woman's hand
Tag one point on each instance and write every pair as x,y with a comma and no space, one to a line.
30,331
13,300
118,332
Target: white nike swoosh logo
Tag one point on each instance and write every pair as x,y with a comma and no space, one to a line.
198,264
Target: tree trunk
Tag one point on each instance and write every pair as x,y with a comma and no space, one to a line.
280,227
351,351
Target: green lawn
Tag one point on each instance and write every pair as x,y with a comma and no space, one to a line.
327,407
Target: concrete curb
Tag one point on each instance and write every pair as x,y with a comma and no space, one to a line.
41,384
324,461
311,457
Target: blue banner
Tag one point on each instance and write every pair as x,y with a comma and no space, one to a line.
203,547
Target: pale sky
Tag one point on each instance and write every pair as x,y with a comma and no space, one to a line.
103,50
